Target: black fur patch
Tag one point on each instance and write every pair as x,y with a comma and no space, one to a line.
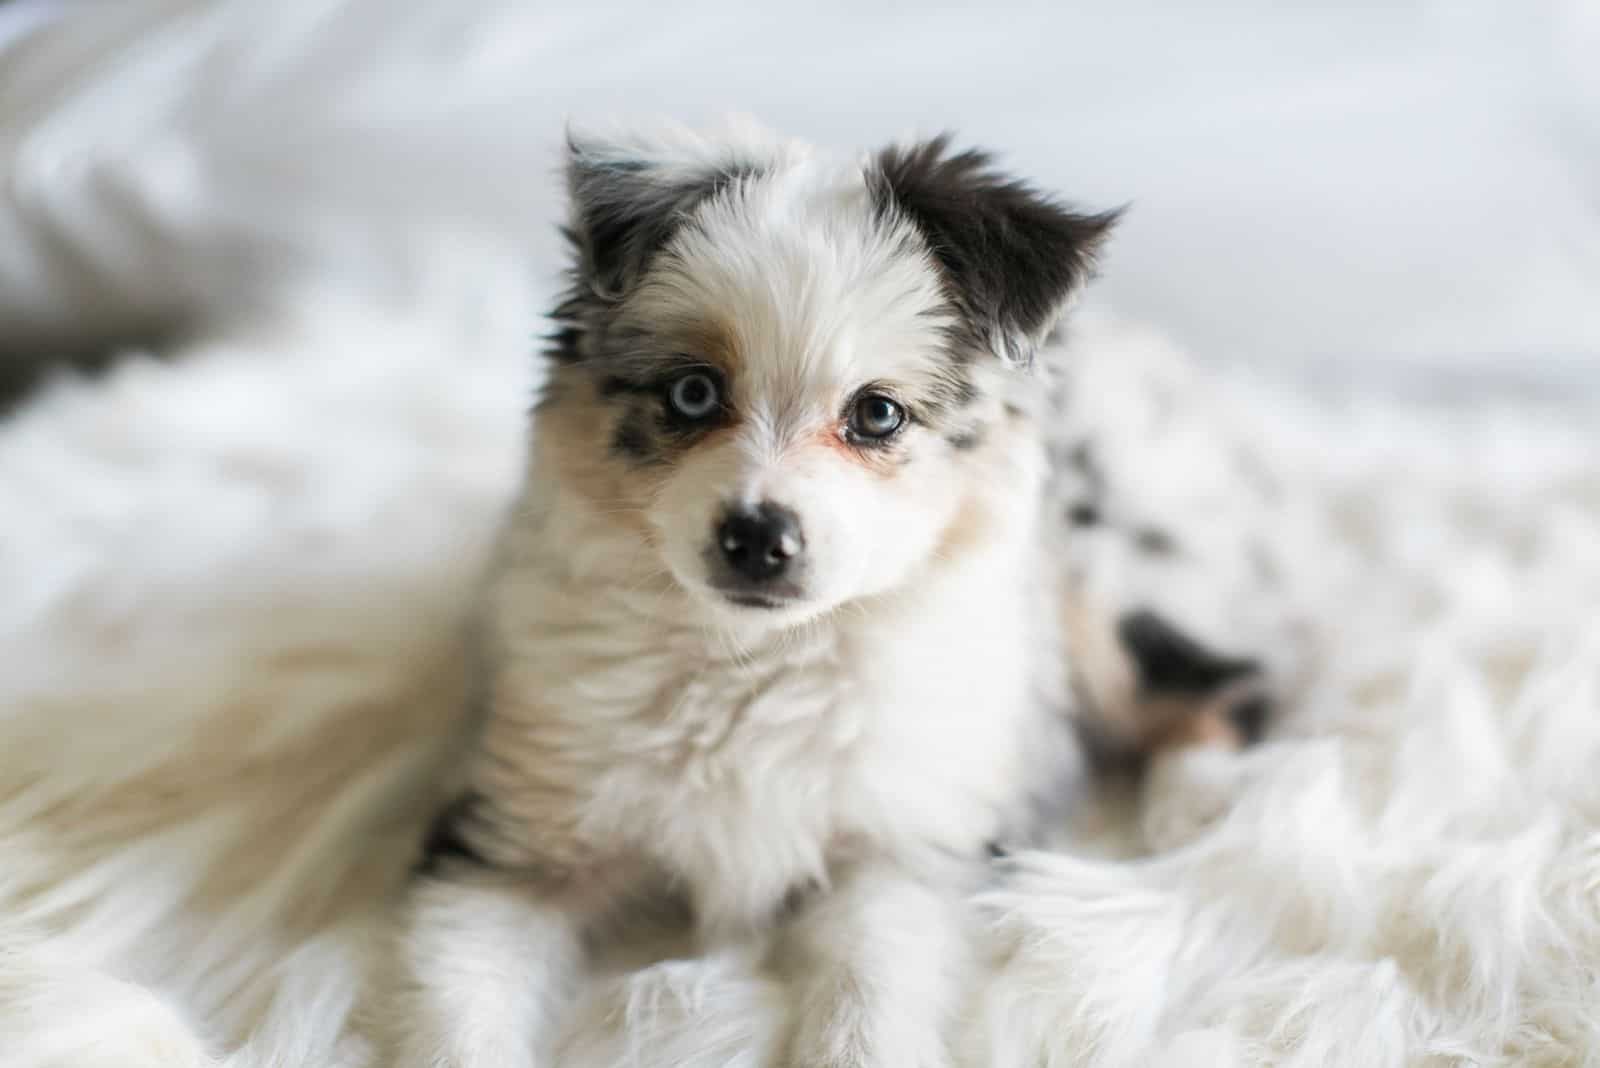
624,211
965,440
1250,716
448,842
1171,662
1155,542
1011,255
627,209
617,386
1083,514
647,430
633,439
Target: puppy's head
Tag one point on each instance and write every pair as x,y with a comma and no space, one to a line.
784,373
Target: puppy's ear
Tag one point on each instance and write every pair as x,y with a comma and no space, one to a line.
1011,255
629,196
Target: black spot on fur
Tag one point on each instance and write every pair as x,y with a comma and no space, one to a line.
1155,542
1251,716
1011,255
965,440
1083,460
1083,514
640,434
633,440
448,842
797,897
1171,662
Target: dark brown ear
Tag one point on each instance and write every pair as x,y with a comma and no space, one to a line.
1011,255
626,202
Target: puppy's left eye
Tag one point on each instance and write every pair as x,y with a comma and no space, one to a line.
875,416
694,395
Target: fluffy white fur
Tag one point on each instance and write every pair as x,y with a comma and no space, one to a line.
231,664
217,753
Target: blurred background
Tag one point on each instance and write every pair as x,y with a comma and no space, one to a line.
1408,191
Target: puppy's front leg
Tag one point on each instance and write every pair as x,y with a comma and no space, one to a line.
487,969
878,964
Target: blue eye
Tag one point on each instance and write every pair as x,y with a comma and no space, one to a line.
694,395
875,416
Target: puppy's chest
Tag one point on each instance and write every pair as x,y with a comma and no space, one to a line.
745,776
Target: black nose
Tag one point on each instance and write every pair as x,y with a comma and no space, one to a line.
760,543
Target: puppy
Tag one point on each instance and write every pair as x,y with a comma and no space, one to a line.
782,624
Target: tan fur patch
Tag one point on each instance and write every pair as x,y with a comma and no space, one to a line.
575,439
1134,721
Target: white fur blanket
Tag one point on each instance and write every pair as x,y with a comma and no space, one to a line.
229,667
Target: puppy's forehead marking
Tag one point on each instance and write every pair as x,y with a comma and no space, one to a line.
818,292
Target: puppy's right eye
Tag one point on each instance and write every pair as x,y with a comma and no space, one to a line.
694,395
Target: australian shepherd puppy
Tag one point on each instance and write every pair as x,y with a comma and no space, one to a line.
782,629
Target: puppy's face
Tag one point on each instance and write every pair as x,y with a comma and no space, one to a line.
783,373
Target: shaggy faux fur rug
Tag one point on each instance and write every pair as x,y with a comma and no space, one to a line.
230,668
